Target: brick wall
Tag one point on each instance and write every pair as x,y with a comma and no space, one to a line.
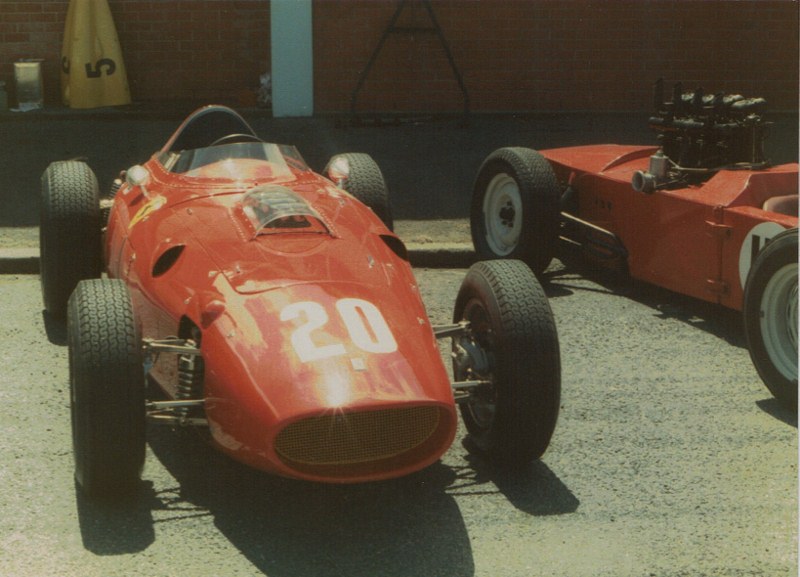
31,29
551,55
198,50
513,55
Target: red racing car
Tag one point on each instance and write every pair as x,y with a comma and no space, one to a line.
703,214
276,309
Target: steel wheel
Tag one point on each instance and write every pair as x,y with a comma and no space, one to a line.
770,316
515,208
779,320
502,214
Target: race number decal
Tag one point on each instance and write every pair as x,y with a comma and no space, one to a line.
366,328
754,241
96,71
315,317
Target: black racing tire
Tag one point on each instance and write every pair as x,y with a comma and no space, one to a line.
69,232
515,208
514,345
770,316
107,389
366,183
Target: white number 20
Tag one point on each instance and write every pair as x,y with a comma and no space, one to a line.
365,324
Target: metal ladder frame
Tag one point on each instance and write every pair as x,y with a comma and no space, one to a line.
392,28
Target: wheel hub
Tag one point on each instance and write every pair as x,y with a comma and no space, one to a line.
507,214
502,212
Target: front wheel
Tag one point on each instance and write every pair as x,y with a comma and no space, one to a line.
69,232
360,175
106,388
770,316
515,208
512,345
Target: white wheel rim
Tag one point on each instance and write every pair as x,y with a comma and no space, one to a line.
778,313
502,214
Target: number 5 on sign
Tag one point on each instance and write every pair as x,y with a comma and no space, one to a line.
365,326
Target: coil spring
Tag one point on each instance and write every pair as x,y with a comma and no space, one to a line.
105,205
190,379
115,186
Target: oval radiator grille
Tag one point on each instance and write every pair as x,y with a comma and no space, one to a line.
353,438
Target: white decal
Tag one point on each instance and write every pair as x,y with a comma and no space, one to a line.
315,317
364,322
754,241
366,326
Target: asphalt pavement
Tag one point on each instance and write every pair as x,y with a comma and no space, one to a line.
429,162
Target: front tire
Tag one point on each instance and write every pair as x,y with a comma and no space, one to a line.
69,232
770,316
361,176
512,343
515,208
106,389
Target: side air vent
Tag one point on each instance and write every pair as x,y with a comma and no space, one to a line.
167,260
396,245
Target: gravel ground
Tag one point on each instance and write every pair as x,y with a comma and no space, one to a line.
669,459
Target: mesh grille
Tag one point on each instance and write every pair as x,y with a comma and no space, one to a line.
354,438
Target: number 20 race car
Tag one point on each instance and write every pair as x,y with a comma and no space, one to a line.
703,214
224,285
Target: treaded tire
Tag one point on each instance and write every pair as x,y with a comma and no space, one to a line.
512,324
365,182
515,208
770,316
107,390
69,232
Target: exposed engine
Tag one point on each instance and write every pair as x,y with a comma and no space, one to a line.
700,134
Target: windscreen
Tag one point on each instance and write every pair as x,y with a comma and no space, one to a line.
189,160
274,209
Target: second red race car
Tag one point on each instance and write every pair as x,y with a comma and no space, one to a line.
703,214
274,308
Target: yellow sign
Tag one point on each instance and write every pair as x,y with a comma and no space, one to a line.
92,70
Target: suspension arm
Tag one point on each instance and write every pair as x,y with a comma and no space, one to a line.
169,412
454,330
170,345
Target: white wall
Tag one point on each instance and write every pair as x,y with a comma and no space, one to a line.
292,58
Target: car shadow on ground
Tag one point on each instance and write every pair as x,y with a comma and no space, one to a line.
55,329
405,527
775,409
565,277
535,490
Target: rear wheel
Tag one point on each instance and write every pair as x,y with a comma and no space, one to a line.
515,208
360,175
513,344
69,232
106,389
770,316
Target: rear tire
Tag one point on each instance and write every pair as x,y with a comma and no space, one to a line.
107,389
515,208
365,181
770,316
69,232
514,344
